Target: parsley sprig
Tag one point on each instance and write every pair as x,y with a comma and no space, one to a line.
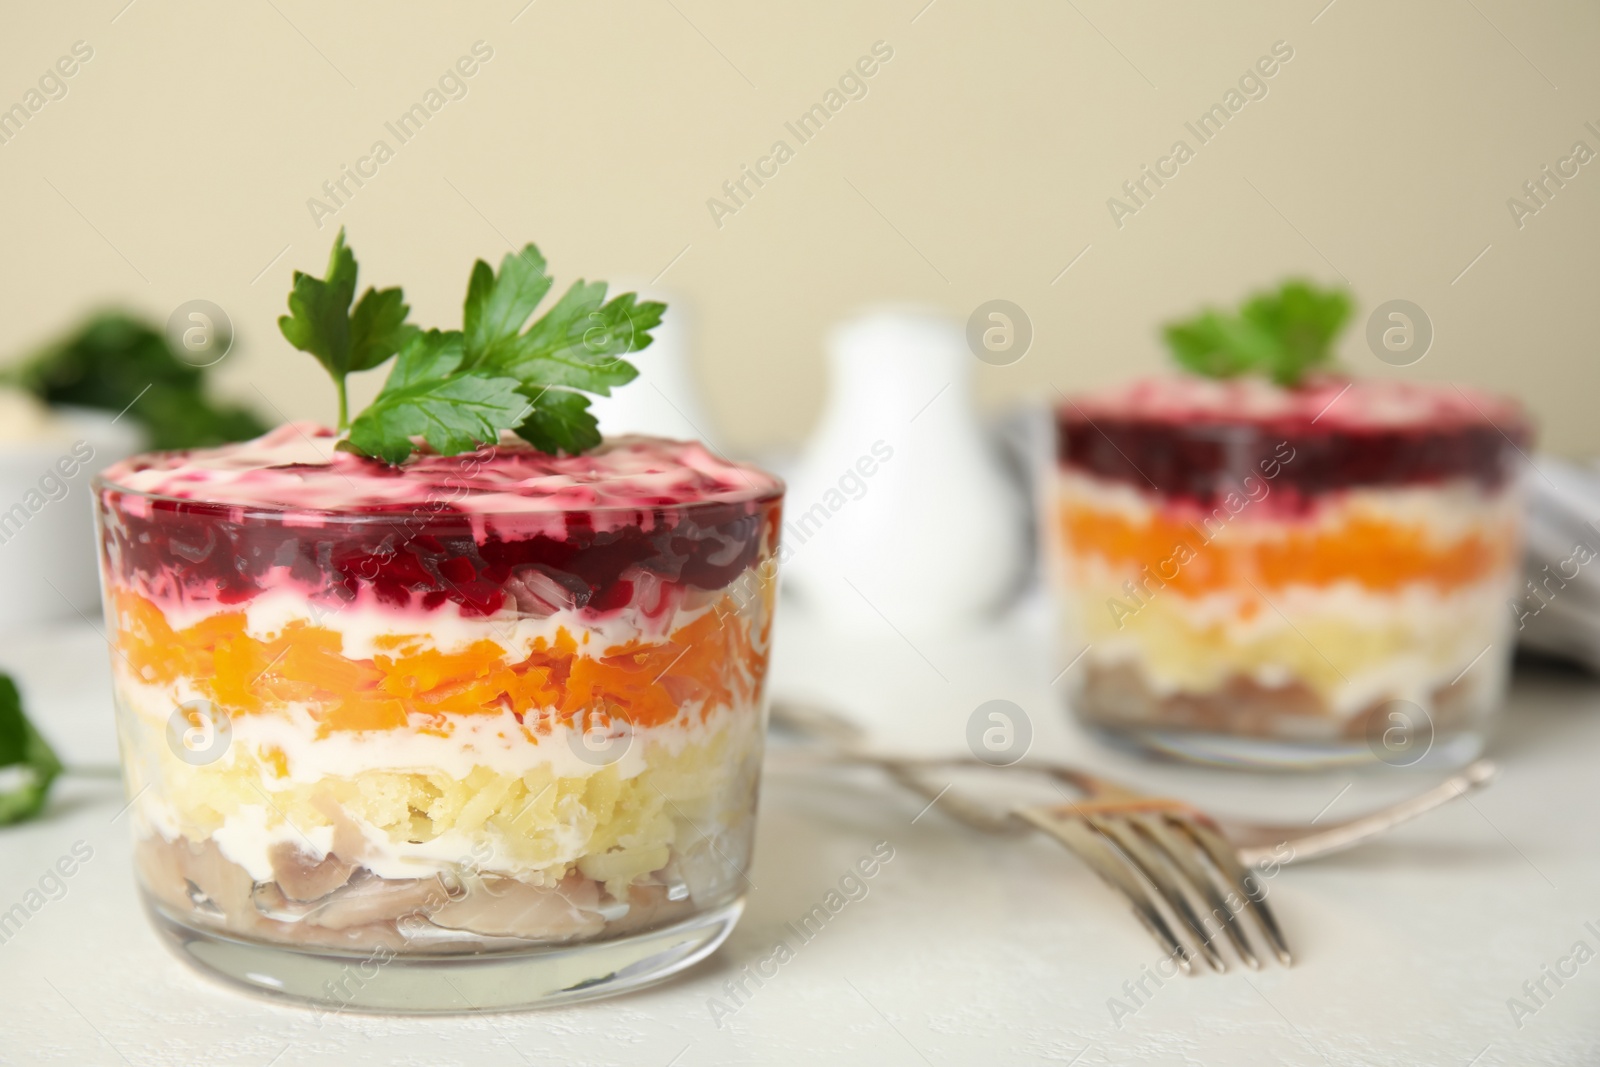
1281,335
458,389
28,765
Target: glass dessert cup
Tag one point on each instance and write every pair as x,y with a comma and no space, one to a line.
482,733
1279,577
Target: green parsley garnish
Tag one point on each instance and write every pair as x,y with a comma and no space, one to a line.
343,340
117,362
28,765
458,389
1281,335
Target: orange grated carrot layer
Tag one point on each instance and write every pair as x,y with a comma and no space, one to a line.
1380,556
711,659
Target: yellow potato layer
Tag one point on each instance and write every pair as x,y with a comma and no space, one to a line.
535,826
1323,649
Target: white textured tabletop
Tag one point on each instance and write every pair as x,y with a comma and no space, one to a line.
1413,950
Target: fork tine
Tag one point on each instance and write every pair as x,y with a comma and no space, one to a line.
1104,861
1148,862
1238,879
1181,851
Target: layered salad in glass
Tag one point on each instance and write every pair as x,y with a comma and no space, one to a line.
1289,570
376,691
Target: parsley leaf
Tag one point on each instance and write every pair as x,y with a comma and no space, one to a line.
1281,335
1304,321
576,345
1220,346
458,389
320,321
427,355
28,765
582,330
498,305
453,412
377,327
579,344
561,422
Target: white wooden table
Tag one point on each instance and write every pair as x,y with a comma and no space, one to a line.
964,949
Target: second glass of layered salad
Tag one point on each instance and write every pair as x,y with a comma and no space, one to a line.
1288,569
452,732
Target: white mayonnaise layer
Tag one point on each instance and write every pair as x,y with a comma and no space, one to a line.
1446,512
496,741
363,622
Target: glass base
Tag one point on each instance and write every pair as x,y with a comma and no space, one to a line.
1445,753
386,983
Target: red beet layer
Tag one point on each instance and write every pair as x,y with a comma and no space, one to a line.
1200,441
201,551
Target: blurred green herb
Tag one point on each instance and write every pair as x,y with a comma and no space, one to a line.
27,763
457,389
1281,335
114,360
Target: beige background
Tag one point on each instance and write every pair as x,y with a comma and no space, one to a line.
978,166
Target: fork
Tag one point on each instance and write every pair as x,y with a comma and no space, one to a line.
1137,843
1123,836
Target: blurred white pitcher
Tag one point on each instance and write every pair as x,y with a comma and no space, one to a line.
665,400
901,511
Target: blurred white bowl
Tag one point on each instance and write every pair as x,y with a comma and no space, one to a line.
49,567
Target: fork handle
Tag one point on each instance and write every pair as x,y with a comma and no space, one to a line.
1336,838
955,804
